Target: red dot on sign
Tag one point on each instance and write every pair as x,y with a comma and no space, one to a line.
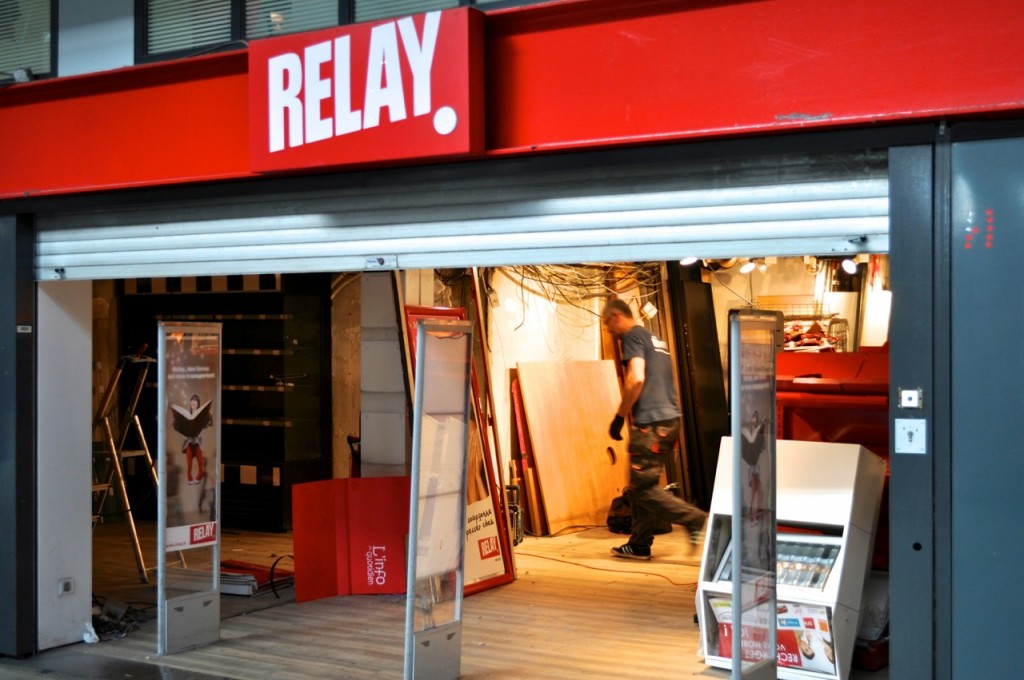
988,211
988,237
975,230
991,228
969,237
967,246
989,244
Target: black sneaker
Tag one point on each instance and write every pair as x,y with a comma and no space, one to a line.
632,552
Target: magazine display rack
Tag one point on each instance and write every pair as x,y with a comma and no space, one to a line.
827,500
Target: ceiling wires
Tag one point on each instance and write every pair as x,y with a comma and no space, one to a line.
579,285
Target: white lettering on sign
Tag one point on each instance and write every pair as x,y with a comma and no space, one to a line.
204,533
306,107
376,565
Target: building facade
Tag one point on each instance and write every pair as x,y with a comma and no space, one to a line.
560,132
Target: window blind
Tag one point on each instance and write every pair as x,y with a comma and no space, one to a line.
176,25
265,18
24,36
368,10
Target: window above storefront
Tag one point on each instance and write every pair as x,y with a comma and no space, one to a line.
169,29
26,32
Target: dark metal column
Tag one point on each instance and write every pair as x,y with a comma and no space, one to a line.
914,349
17,438
986,244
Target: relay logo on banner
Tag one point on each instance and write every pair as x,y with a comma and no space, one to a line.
392,90
488,547
204,533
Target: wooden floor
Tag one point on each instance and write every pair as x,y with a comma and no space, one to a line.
574,612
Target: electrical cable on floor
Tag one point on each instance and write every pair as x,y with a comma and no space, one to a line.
577,564
692,585
273,566
114,620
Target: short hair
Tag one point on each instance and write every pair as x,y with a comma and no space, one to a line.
618,305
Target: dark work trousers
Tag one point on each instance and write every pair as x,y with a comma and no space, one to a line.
648,447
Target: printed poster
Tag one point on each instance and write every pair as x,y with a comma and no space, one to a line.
803,635
191,373
752,349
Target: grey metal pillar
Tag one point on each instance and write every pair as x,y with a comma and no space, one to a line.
986,244
17,438
917,341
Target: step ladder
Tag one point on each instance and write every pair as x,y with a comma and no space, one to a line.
110,454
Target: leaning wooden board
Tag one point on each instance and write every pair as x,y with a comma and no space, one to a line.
569,406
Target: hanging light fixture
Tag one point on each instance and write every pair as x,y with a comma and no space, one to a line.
687,261
748,267
849,266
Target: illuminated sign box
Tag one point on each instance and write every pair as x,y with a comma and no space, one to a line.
403,89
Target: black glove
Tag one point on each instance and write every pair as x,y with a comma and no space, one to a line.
616,429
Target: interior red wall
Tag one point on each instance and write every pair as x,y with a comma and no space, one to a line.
564,75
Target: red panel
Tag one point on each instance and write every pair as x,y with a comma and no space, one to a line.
431,111
599,72
161,124
378,509
560,75
350,536
320,538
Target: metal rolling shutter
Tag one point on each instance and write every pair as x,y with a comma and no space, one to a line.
641,205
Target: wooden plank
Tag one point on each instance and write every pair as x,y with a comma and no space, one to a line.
534,513
580,468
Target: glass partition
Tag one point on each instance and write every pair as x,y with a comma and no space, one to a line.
433,626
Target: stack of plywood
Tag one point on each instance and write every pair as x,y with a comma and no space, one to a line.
579,468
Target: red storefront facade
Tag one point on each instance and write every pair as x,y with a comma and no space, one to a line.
577,76
566,75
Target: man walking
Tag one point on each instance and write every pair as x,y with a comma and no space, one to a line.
650,394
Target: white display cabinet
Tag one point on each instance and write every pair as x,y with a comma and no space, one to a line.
827,502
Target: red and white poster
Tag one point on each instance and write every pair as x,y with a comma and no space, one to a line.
190,451
406,88
803,635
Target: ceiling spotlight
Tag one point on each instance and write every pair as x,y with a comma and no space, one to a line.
748,267
849,266
687,261
762,266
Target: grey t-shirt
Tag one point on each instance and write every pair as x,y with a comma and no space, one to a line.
657,401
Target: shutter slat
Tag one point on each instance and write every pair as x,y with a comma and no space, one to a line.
489,214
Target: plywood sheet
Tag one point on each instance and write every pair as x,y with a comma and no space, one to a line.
569,406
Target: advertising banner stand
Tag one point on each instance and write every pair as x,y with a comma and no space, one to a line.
752,349
437,512
188,505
